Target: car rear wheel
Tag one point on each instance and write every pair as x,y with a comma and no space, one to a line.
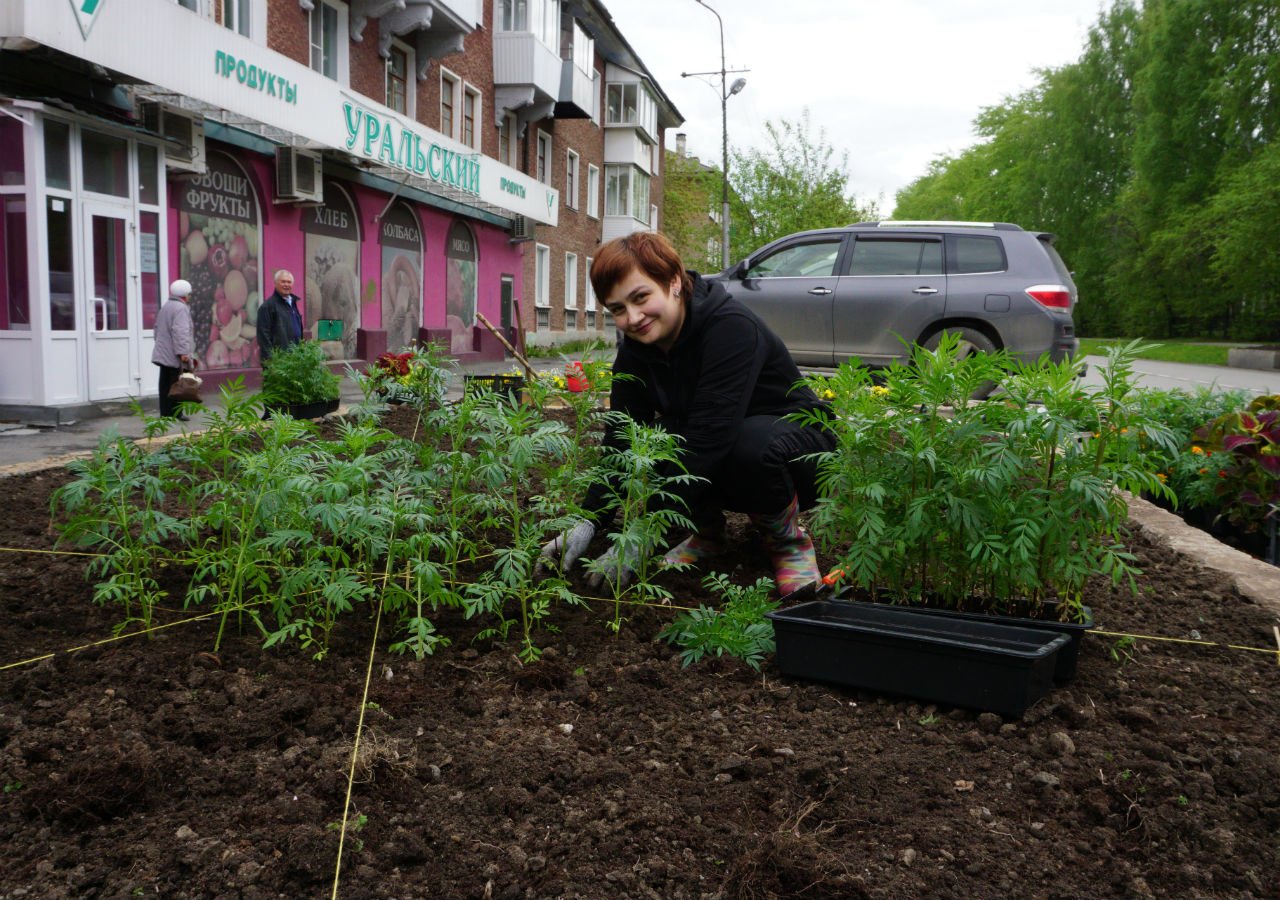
971,341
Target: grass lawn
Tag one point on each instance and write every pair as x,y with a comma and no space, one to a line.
1168,350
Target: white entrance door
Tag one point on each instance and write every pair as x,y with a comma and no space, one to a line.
112,314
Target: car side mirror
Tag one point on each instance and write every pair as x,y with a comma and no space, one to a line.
739,271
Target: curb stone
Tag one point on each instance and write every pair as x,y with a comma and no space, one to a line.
1254,579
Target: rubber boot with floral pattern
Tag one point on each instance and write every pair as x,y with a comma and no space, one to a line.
795,563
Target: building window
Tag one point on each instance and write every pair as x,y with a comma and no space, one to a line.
653,217
571,180
324,39
236,15
626,192
507,140
571,281
513,15
620,104
590,300
398,80
470,112
15,294
544,157
584,49
629,103
548,24
542,17
448,104
593,192
542,276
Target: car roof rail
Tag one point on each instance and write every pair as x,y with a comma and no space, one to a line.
941,223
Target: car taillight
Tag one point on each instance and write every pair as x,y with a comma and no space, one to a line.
1055,296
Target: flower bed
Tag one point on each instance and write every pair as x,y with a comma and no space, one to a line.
608,768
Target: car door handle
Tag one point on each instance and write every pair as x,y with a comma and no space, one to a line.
820,291
925,290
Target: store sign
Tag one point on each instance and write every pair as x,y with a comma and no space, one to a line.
460,244
245,82
87,14
222,192
399,230
388,142
335,219
255,77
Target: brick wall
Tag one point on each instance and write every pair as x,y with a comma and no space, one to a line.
288,30
368,69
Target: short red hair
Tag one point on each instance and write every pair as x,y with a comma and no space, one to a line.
648,251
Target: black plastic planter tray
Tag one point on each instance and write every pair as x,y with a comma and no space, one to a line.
1064,671
312,410
960,662
1066,658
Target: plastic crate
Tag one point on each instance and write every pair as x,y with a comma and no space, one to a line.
999,668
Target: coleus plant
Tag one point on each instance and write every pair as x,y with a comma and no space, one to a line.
1248,484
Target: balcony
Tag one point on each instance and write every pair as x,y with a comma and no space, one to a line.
576,99
435,28
526,76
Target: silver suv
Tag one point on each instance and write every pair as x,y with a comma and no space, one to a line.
864,290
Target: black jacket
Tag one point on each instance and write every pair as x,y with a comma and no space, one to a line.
725,365
274,329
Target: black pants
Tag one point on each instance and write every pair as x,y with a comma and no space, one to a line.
765,469
168,378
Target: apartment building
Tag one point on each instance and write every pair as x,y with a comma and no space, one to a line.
414,163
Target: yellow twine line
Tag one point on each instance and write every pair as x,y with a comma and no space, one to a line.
1173,640
355,750
113,638
50,552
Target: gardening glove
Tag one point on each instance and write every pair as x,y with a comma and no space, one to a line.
795,563
616,568
563,551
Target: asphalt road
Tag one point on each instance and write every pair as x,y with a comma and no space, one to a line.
1170,376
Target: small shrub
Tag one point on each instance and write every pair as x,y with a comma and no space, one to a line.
738,628
1247,444
298,375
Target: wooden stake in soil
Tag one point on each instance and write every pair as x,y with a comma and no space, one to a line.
506,343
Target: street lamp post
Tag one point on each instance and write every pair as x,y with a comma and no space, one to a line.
726,91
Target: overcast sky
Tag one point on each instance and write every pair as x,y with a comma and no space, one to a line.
896,83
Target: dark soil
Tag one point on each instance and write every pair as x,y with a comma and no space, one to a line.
156,767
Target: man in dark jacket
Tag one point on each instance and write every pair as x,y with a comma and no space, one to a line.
279,318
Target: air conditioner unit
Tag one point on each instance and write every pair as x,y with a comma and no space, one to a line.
298,176
183,133
522,229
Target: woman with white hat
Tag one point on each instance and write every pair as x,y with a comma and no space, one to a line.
174,343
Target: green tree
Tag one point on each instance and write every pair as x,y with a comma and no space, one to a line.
790,185
690,195
1243,214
